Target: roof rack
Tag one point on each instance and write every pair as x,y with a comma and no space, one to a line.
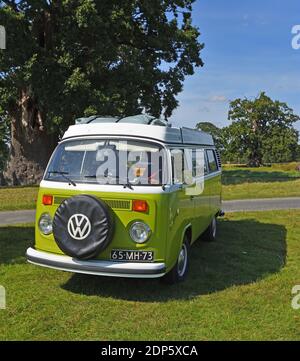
136,119
162,131
96,119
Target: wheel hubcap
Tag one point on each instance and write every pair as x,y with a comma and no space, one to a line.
182,261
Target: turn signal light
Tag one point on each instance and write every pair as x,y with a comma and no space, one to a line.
47,200
140,206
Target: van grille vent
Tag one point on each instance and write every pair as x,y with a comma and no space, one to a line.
112,203
118,204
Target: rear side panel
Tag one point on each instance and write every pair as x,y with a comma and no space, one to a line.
215,186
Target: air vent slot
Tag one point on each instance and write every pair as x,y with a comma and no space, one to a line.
118,203
219,159
112,203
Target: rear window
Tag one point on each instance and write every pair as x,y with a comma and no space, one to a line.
108,161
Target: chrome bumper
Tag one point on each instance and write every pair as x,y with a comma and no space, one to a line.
96,267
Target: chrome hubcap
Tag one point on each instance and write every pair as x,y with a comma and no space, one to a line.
182,261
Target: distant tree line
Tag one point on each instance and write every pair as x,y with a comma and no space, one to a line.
262,131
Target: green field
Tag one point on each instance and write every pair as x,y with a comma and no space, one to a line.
280,180
238,288
15,198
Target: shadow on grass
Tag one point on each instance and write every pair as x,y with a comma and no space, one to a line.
240,176
13,243
246,251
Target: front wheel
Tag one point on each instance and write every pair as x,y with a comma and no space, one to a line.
179,272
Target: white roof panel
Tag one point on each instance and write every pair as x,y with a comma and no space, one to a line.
156,132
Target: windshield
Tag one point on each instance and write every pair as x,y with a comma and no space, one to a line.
108,161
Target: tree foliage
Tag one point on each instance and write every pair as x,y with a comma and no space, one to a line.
83,57
69,58
262,131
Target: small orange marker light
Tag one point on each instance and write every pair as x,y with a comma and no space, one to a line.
47,200
140,206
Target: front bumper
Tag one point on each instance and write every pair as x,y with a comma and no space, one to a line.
96,267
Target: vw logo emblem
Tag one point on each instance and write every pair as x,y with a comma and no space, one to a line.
79,226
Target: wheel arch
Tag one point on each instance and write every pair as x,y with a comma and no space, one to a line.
187,231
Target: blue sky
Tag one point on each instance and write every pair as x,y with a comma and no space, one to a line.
247,50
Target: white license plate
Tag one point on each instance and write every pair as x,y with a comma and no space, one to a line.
131,256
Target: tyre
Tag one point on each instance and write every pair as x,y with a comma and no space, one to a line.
210,235
83,227
179,272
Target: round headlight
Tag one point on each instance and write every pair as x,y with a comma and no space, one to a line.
45,224
140,232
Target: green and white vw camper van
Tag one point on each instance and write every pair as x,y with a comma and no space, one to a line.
127,198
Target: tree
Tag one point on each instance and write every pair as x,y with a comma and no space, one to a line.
280,146
298,153
215,131
65,59
261,129
4,138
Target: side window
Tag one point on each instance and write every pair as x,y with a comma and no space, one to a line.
205,164
194,164
199,162
212,161
177,165
183,163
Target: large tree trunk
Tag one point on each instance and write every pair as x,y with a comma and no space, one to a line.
255,158
31,146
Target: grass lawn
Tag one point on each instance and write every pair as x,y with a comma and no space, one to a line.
13,198
280,180
251,190
238,288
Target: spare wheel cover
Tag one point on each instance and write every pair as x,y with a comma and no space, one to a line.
83,226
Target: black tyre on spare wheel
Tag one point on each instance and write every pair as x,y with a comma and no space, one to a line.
83,226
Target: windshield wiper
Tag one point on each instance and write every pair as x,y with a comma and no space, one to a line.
64,175
127,184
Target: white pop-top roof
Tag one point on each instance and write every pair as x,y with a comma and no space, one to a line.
155,132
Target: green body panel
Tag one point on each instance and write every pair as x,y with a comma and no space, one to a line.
202,212
155,218
170,215
180,216
215,193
